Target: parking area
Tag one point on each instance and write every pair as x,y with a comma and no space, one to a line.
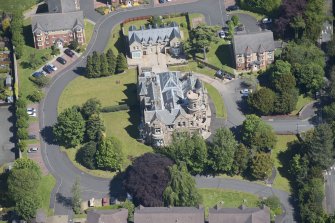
251,25
7,150
34,153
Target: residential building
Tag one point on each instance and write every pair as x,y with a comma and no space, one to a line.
153,40
107,216
171,101
253,51
169,215
242,214
63,24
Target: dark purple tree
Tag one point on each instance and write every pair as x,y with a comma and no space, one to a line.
147,179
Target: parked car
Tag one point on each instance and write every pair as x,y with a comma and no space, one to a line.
266,21
246,91
69,52
232,8
31,113
37,74
61,60
32,136
229,77
53,67
33,150
219,73
161,1
240,28
222,34
48,69
31,109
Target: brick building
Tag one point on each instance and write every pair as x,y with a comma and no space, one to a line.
253,51
63,24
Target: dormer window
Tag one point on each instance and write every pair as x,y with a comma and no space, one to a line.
38,34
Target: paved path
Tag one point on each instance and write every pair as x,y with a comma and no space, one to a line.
232,98
253,188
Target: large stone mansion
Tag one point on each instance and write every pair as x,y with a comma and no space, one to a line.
171,101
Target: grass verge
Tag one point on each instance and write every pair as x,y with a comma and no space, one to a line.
89,27
193,66
281,162
302,101
217,100
226,198
113,90
48,182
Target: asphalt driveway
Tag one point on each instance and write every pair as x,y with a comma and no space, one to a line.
7,152
250,23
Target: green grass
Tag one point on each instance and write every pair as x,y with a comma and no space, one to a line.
89,27
217,100
123,124
193,66
26,87
230,198
11,5
252,14
281,161
219,55
115,41
48,182
302,101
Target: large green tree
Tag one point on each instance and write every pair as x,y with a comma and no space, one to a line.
319,146
281,76
261,6
315,15
241,159
104,65
94,128
310,77
261,166
76,197
27,206
90,107
109,154
86,155
89,67
121,63
181,190
189,149
257,134
70,127
222,150
111,60
262,101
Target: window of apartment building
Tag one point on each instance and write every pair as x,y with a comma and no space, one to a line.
39,39
40,44
79,35
179,123
170,126
184,123
38,34
46,42
238,65
192,123
46,37
53,41
157,130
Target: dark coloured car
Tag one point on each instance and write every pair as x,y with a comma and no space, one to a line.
61,60
161,1
232,8
227,76
69,52
37,74
48,69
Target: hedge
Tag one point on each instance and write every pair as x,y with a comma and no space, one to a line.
115,108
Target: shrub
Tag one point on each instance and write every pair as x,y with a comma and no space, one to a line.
36,96
40,81
73,44
22,145
115,108
201,65
22,122
21,103
55,50
22,133
86,155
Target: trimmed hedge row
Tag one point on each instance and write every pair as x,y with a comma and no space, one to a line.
115,108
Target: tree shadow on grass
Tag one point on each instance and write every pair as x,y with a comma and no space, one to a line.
120,44
134,110
28,36
224,54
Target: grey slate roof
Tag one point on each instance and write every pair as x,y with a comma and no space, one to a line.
165,92
57,21
239,215
169,215
107,216
153,34
58,6
253,42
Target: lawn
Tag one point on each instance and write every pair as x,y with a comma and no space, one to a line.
26,87
48,182
89,27
230,198
122,124
219,55
257,16
11,5
281,161
115,41
193,66
302,101
217,100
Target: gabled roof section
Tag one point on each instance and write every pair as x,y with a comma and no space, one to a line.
58,21
61,6
36,28
254,41
175,34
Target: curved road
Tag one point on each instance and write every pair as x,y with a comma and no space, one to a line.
57,162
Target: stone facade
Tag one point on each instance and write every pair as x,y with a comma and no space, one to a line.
253,51
171,102
154,40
